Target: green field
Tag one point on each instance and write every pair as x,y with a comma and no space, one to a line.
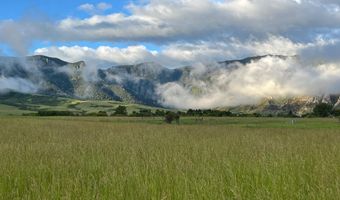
134,158
15,104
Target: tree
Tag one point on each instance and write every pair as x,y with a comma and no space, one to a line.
121,110
160,113
171,116
323,110
190,112
102,114
145,113
336,112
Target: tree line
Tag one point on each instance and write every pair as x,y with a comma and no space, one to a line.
320,110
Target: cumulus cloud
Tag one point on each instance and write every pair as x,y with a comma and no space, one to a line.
248,84
325,51
20,34
184,53
231,48
165,21
95,9
106,54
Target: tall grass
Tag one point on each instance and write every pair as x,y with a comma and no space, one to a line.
66,158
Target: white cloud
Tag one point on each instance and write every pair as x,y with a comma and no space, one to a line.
95,9
87,7
104,6
164,22
248,84
179,54
17,84
167,20
129,55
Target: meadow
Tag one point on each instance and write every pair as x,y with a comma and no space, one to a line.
135,158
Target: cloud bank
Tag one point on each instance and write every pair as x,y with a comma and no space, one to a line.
17,85
183,53
165,22
269,77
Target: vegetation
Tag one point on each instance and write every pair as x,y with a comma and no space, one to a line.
209,112
171,116
121,111
27,104
145,113
323,110
136,158
55,113
42,105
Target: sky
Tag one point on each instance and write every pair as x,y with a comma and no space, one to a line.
170,32
176,33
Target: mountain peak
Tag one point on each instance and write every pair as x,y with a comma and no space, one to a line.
150,65
253,58
46,60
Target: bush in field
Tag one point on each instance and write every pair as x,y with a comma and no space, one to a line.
97,114
121,110
323,110
336,112
208,113
171,116
160,112
145,113
102,114
54,113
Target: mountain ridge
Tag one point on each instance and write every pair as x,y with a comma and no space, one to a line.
132,83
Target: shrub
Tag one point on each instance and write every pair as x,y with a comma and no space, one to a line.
54,113
160,113
323,110
121,110
145,113
171,116
102,114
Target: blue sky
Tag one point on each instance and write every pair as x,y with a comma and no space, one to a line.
58,10
54,9
171,32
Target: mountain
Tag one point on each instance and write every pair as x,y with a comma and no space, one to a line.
55,77
296,105
138,83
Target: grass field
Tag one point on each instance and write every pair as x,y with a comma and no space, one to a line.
132,158
18,104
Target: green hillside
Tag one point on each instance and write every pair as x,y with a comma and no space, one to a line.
19,104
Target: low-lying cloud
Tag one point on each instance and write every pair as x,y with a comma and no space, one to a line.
17,84
269,77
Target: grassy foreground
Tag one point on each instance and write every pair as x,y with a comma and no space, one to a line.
117,158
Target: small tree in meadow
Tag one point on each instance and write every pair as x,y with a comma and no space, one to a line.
121,110
170,117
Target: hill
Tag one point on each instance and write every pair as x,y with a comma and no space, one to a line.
19,104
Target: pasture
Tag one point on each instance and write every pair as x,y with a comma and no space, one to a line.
134,158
